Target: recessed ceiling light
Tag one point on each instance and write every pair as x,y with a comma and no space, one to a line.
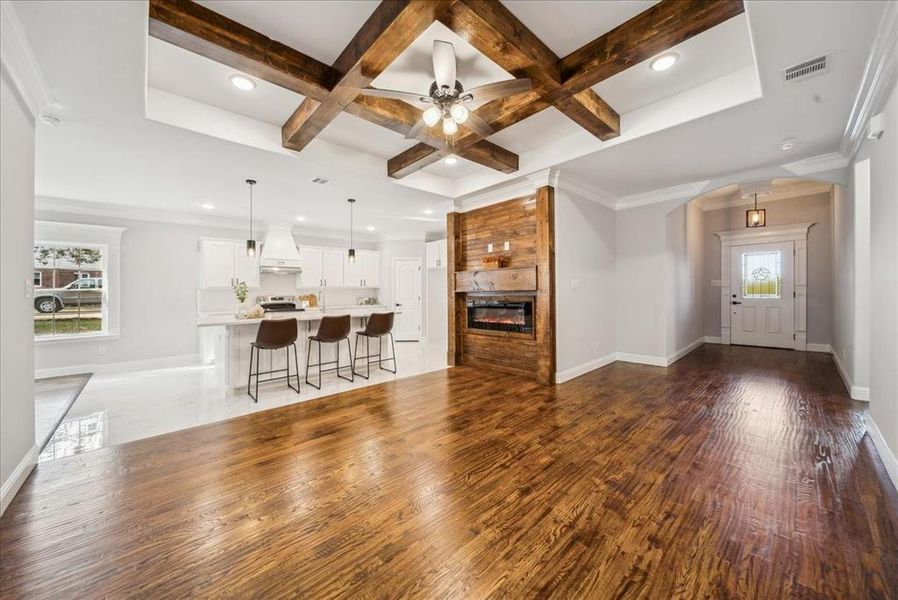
242,82
450,160
788,144
370,227
427,211
207,206
300,218
664,62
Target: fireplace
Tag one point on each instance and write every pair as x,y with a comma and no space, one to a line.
501,315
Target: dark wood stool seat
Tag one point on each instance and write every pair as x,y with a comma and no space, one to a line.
273,334
379,326
332,330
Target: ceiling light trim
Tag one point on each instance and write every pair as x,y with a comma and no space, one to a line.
22,65
879,76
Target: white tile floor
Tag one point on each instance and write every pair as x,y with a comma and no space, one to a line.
123,407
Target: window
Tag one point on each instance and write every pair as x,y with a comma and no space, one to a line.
37,278
762,275
79,297
71,304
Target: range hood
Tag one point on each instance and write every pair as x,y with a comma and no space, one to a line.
279,253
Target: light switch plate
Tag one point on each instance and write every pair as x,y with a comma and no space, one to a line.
507,246
575,285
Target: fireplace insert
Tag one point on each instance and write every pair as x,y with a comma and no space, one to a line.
502,315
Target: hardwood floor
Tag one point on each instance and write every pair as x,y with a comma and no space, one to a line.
737,472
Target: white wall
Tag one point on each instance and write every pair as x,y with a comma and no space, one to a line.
883,362
843,277
17,135
684,274
585,259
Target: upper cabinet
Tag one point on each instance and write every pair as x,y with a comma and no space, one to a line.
223,263
436,254
330,267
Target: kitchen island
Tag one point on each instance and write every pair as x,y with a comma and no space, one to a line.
225,342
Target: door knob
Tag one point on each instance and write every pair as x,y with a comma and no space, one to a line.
735,302
397,304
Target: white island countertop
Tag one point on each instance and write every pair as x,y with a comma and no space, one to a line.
309,314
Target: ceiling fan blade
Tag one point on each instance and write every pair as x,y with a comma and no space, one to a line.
444,64
478,125
415,130
407,96
491,91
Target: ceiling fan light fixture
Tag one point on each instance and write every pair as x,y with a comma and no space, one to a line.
450,127
431,116
664,62
458,113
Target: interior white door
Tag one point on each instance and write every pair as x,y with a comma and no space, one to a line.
762,304
407,298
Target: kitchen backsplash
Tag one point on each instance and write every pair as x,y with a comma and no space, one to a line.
215,301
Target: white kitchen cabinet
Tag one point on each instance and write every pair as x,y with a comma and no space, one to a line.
352,271
332,267
435,253
311,260
224,262
370,268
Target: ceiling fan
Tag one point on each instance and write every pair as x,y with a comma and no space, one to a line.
447,97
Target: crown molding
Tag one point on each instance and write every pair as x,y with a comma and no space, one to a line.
21,64
791,231
582,188
818,164
676,192
512,189
876,83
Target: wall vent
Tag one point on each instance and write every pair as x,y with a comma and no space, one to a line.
807,69
320,180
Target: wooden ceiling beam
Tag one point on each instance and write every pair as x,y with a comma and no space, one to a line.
649,33
193,27
202,31
501,37
390,29
422,155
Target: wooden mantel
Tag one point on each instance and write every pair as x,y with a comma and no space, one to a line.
522,279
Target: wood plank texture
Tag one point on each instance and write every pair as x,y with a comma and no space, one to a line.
735,473
521,279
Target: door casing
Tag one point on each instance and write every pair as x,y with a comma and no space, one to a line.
795,232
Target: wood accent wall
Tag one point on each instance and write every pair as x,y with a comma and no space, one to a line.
528,224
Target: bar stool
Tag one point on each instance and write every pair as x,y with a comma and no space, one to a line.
273,334
332,330
379,325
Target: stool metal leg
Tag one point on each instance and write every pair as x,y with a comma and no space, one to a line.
249,379
308,359
349,347
296,363
383,360
258,352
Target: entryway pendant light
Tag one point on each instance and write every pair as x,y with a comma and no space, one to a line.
755,217
351,249
251,243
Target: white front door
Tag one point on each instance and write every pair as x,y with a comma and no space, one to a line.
762,303
407,298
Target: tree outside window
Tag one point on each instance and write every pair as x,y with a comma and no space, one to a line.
72,298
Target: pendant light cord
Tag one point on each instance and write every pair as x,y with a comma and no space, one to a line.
250,211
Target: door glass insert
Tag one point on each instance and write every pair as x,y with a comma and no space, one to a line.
762,274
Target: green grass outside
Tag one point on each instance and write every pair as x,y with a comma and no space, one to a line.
68,326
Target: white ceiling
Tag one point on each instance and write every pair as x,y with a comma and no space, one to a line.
106,150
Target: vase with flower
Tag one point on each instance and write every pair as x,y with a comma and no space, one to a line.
241,291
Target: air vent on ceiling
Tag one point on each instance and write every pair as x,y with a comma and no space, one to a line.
320,180
807,69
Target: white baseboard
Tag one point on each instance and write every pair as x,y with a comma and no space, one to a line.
711,339
885,453
684,351
568,374
809,347
17,477
856,392
165,362
642,359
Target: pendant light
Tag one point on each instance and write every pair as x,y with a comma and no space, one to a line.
251,242
351,249
755,217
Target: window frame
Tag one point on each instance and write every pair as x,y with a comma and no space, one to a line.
37,279
109,239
